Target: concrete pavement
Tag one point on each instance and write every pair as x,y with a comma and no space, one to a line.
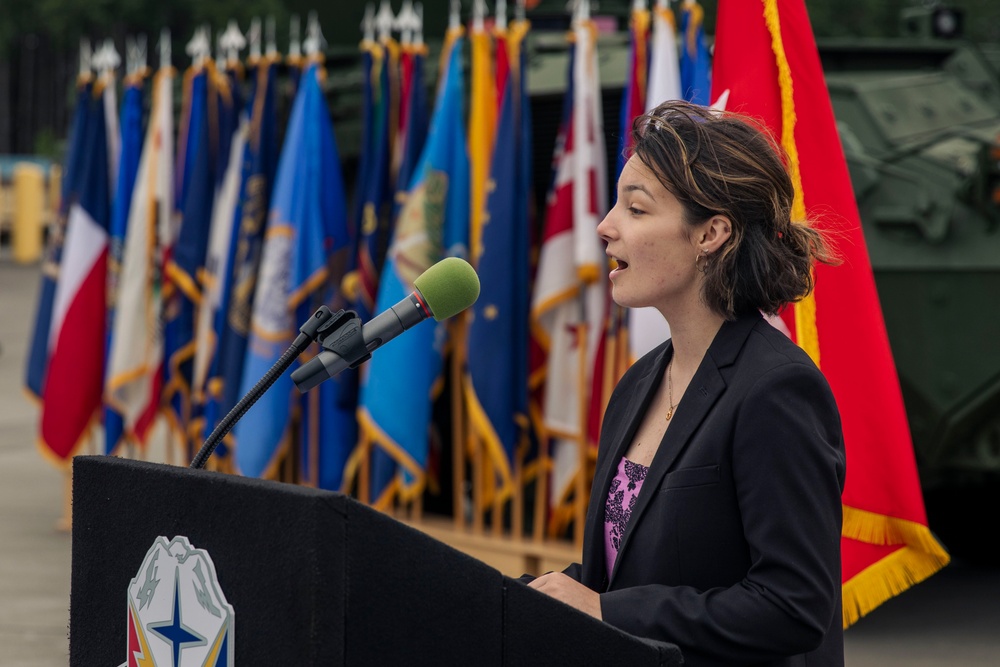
34,555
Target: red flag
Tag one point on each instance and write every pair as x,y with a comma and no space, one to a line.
766,58
568,300
74,382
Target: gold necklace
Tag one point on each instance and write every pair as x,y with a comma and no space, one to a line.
670,393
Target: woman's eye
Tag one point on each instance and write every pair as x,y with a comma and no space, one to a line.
635,211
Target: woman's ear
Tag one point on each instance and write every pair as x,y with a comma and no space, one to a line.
715,233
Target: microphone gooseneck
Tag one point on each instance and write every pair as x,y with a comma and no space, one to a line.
442,291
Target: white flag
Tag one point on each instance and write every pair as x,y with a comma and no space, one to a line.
136,355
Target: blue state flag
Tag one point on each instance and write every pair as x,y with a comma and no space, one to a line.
197,190
306,235
374,207
260,160
490,390
522,269
413,139
232,130
695,62
38,355
128,166
374,189
395,404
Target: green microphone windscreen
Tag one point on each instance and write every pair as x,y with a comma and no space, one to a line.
448,287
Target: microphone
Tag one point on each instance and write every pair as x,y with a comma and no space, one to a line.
442,291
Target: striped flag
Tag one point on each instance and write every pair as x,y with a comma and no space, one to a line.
766,58
38,354
135,364
74,381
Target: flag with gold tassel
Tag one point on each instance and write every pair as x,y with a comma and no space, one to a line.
767,60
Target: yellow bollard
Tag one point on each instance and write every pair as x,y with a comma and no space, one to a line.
29,203
54,195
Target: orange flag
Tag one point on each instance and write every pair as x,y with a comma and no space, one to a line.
766,58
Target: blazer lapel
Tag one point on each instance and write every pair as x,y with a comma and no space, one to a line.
705,388
618,441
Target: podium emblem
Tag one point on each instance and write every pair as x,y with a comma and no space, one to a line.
177,613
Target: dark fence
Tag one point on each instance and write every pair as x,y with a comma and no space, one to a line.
36,96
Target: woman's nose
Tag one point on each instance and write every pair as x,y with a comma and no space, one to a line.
605,228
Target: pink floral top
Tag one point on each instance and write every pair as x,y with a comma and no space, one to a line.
618,508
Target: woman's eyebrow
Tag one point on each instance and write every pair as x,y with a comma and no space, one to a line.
632,187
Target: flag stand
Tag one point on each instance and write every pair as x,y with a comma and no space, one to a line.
64,523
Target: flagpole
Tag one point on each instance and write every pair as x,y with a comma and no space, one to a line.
364,472
458,469
458,427
517,502
498,504
541,486
580,501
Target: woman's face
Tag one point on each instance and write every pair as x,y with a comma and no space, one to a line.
654,248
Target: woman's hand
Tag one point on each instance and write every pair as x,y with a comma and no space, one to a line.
570,591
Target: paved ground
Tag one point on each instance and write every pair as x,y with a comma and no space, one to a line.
951,619
34,556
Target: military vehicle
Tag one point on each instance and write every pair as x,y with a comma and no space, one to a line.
919,118
920,124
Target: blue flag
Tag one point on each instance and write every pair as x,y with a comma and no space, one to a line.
374,188
413,139
308,229
213,277
695,62
197,190
523,229
260,160
128,167
38,355
395,406
374,208
497,319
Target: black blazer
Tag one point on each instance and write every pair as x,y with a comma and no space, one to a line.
732,550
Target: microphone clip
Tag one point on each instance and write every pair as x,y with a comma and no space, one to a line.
342,335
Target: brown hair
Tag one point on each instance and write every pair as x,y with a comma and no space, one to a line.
722,163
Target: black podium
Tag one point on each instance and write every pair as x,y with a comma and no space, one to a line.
314,578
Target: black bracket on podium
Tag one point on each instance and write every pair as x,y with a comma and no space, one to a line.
337,332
